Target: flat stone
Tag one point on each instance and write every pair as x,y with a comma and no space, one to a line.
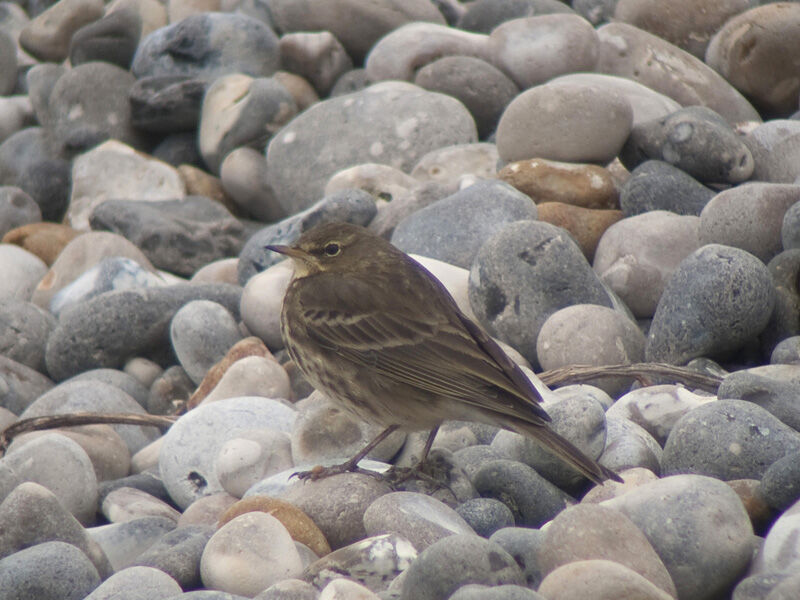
317,56
24,328
20,385
47,36
113,38
607,580
657,185
124,542
177,553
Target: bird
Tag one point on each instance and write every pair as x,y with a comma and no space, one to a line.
382,337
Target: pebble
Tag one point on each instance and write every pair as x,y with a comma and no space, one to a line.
289,589
344,588
606,579
16,209
451,163
703,510
192,444
252,456
22,272
47,37
470,216
456,560
695,315
207,510
629,446
137,583
775,149
780,484
485,515
473,591
177,553
124,542
21,385
485,15
167,103
523,544
248,554
381,181
517,281
24,329
573,123
125,504
781,548
656,185
773,394
48,571
45,240
112,38
319,57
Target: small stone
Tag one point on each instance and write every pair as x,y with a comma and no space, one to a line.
243,173
45,240
24,328
112,39
165,104
607,580
485,515
125,504
250,457
781,547
16,209
177,553
473,591
20,386
317,56
22,271
758,586
137,583
484,15
776,396
786,352
249,554
289,589
749,493
47,36
172,386
629,446
206,511
780,484
381,181
262,299
345,588
124,542
775,146
452,163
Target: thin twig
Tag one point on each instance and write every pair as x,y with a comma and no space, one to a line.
645,372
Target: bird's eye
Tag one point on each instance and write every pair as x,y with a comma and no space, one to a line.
332,249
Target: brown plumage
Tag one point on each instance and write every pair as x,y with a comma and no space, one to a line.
377,333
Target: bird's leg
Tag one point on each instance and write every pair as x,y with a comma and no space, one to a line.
350,466
399,475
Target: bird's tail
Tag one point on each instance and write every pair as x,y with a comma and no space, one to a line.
565,450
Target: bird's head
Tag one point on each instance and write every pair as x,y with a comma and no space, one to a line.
332,247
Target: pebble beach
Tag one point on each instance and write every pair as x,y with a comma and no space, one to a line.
596,183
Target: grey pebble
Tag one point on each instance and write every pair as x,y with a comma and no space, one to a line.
629,445
317,56
20,386
775,146
177,553
780,484
483,16
112,39
167,103
172,385
119,379
776,396
758,586
124,542
24,329
474,591
289,589
524,544
137,583
658,185
786,352
785,319
16,209
147,482
485,515
790,227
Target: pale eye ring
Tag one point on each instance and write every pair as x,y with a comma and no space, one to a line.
332,249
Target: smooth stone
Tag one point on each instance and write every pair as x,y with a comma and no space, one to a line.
695,139
473,591
524,545
656,185
532,499
223,270
47,36
171,386
16,111
632,478
289,589
125,504
790,228
252,376
105,341
166,104
149,483
688,24
485,515
160,228
178,149
517,281
337,503
762,35
579,418
354,80
20,386
115,170
774,395
484,15
45,240
16,209
210,45
657,408
137,583
241,111
381,181
420,519
389,214
399,123
588,334
178,553
207,510
627,51
249,554
781,549
775,146
8,64
317,56
787,351
48,571
352,206
637,255
727,439
124,542
758,586
470,216
262,299
191,445
573,123
344,588
112,39
480,86
780,485
607,579
784,322
31,514
629,446
786,589
116,273
299,88
585,186
533,50
700,314
373,562
455,560
455,280
83,253
697,526
451,163
243,173
594,532
401,52
250,457
24,328
22,272
586,225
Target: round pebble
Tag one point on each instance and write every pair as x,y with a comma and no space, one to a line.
136,583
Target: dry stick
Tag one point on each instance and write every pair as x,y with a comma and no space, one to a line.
80,418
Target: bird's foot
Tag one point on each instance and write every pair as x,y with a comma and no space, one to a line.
320,472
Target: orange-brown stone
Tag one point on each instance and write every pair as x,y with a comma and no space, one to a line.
45,240
586,225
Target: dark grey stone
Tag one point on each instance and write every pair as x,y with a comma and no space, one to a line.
456,560
787,352
472,458
482,16
26,147
523,543
780,485
178,149
532,499
485,515
48,182
785,319
20,385
522,275
115,326
354,80
352,206
454,228
119,379
167,103
718,299
8,63
179,236
178,554
24,329
89,105
727,439
790,230
40,80
781,398
397,125
658,185
209,45
49,571
112,39
482,88
695,139
172,385
16,209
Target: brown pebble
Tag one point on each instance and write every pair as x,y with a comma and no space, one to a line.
200,183
45,240
759,511
586,225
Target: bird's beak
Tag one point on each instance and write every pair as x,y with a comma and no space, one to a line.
288,251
